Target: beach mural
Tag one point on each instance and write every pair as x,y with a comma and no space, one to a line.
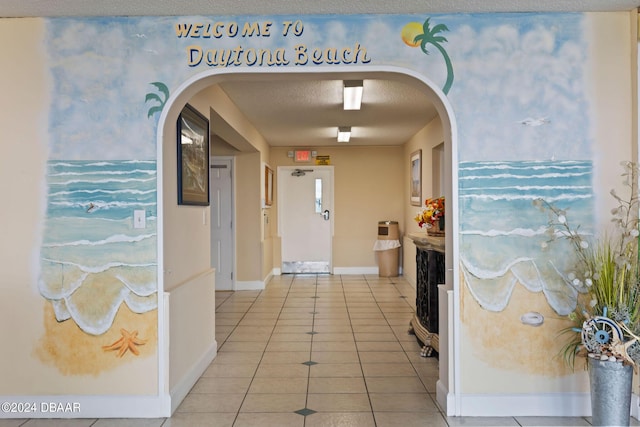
518,96
525,136
93,258
503,234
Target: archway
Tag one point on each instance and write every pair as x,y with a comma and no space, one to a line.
449,361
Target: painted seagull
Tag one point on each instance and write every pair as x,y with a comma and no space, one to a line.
534,122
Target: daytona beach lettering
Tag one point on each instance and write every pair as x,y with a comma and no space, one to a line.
249,56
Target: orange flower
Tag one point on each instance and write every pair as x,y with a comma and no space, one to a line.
433,211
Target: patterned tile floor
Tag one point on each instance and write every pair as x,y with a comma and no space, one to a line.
315,351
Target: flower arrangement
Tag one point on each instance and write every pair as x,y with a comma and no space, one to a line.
432,213
607,277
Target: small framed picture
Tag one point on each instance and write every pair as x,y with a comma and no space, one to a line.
416,178
193,158
268,186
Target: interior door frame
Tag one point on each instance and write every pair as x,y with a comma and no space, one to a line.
281,171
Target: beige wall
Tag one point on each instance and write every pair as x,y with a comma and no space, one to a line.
369,187
23,162
248,217
25,313
266,231
187,229
236,136
426,140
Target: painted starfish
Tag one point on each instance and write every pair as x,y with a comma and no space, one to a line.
129,341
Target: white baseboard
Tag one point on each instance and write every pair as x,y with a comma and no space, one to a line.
345,271
254,285
120,406
354,270
268,278
184,385
538,405
445,399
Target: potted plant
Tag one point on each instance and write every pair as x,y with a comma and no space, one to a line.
606,320
432,216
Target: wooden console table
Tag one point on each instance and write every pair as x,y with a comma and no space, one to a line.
430,268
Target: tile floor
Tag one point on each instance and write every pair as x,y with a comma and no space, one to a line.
312,351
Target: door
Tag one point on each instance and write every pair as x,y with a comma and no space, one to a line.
222,244
305,218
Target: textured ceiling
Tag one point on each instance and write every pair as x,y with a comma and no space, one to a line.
303,112
307,113
18,8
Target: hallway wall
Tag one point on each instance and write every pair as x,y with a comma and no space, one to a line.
426,139
368,188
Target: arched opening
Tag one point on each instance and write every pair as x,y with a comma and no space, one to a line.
173,372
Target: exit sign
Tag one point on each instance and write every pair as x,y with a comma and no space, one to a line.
302,156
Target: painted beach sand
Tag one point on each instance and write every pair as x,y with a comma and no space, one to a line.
501,342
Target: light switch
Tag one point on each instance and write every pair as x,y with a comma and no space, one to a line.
139,218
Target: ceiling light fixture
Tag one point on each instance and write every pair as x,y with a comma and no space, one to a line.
344,133
352,95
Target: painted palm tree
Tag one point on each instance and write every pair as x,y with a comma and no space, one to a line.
429,36
156,98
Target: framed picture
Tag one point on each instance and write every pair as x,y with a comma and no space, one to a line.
268,186
416,178
193,158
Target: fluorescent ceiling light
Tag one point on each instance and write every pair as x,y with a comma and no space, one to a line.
352,95
185,140
344,133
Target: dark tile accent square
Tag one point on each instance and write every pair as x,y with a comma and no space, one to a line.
304,412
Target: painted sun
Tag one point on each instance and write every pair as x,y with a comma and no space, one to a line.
409,33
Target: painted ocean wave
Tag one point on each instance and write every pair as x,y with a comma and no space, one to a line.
104,181
106,172
87,164
100,204
530,197
102,191
99,268
116,238
549,175
535,166
526,232
92,258
502,234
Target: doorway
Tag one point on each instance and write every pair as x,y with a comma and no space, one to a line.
222,241
172,222
305,218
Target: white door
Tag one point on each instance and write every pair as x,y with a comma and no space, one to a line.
305,218
222,248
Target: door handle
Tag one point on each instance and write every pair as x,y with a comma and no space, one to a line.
325,214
